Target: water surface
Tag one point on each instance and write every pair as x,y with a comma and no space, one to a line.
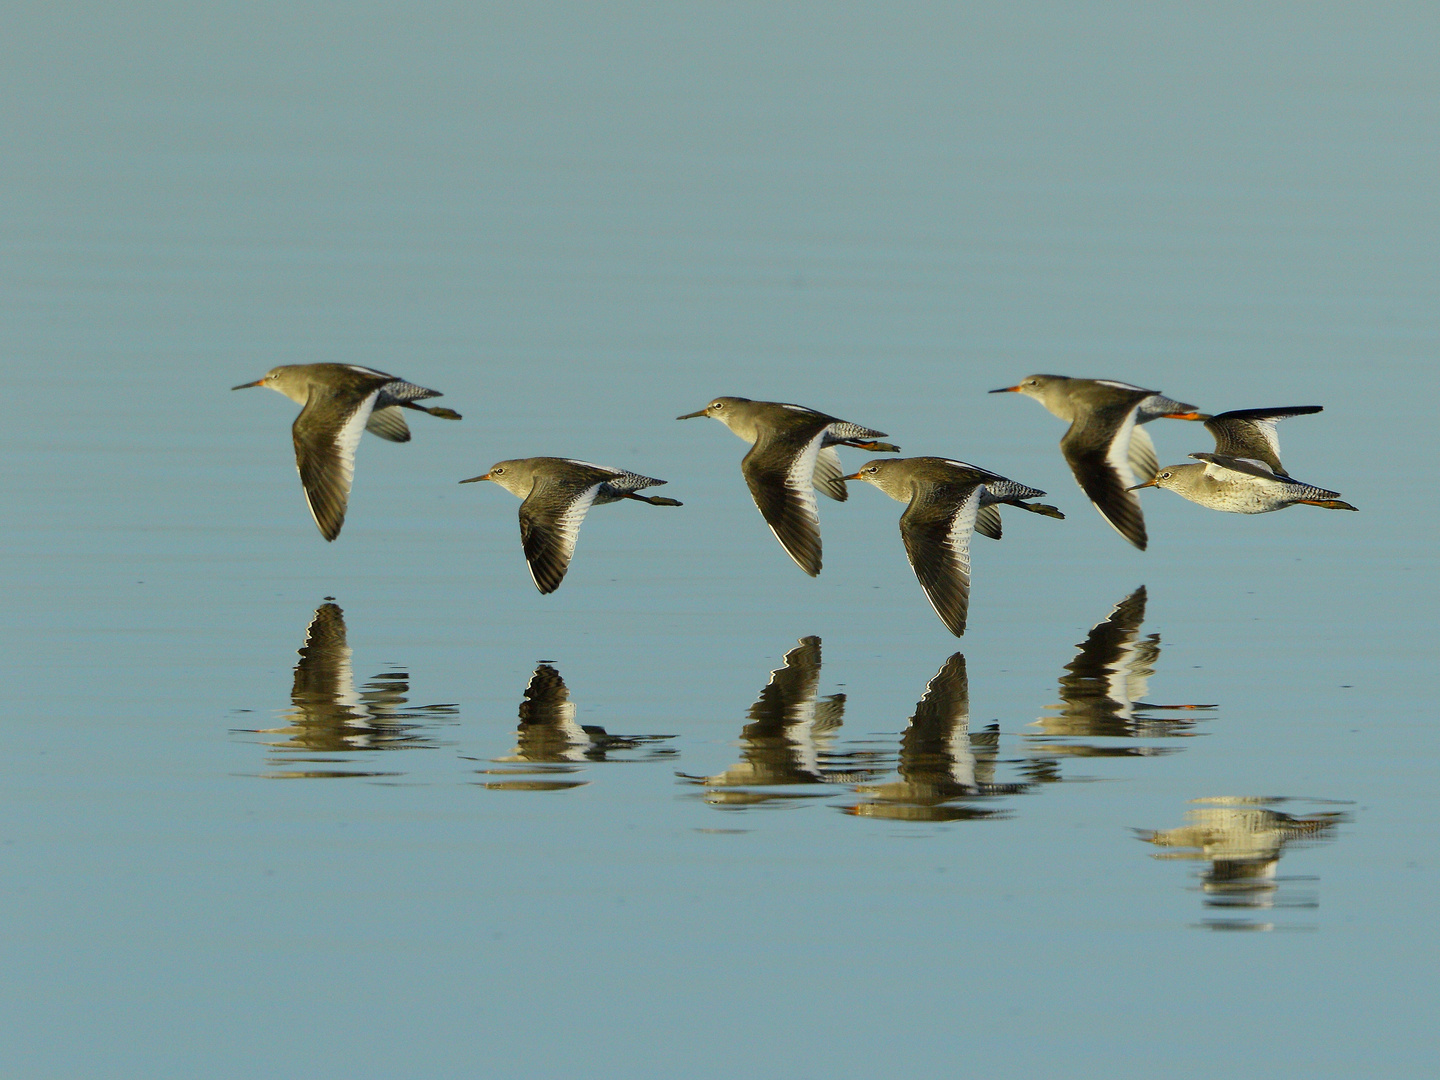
378,808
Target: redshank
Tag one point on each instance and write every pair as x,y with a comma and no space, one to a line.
340,401
946,498
1105,445
791,457
558,492
1244,474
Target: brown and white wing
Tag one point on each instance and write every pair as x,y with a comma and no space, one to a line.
780,472
987,521
1250,433
1098,451
937,539
323,677
946,703
550,520
389,423
1143,462
829,475
790,694
326,433
1217,465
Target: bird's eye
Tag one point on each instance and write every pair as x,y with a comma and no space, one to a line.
497,472
717,405
1164,476
873,469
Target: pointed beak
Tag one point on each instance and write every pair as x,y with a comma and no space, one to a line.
244,385
1186,416
1006,390
475,479
692,415
1147,483
852,476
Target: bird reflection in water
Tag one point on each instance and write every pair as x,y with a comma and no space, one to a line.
940,760
327,715
1101,697
790,740
1242,840
550,741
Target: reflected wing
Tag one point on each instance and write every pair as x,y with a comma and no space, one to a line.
790,694
946,702
323,677
937,539
1111,669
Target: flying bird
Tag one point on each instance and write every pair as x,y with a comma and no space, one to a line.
341,401
1105,446
792,455
946,502
1244,474
558,492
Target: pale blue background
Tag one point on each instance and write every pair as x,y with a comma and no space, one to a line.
578,221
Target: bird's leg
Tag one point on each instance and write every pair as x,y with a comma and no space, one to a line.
654,500
1037,508
433,410
1329,504
877,447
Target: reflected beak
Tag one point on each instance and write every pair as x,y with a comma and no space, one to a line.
692,415
475,479
1006,390
1147,483
244,385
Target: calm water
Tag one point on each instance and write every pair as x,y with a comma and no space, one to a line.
377,808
